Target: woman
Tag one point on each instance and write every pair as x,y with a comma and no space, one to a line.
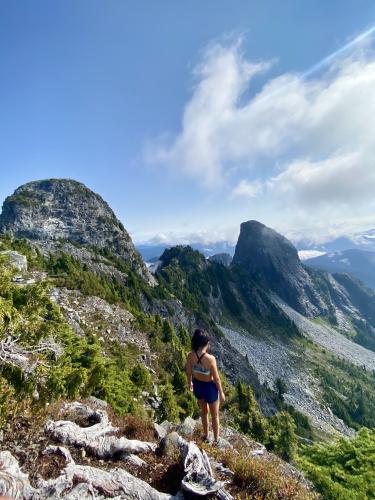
204,381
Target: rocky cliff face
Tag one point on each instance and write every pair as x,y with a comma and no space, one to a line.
55,210
273,261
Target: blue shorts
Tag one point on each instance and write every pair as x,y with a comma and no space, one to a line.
205,390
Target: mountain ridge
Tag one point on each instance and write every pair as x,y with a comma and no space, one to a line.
355,262
193,291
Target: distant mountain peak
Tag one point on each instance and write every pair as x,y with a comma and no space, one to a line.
273,261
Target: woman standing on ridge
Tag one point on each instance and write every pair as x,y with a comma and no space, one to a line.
204,381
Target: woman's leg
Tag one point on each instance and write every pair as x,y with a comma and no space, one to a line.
204,415
214,410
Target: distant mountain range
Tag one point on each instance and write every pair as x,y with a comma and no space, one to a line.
359,263
362,241
355,255
307,249
151,252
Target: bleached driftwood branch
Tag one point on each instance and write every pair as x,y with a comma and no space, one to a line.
97,439
198,478
76,482
80,482
92,482
13,482
11,351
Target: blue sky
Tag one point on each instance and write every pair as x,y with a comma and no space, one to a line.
191,117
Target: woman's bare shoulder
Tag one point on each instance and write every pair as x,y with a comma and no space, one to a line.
189,357
211,358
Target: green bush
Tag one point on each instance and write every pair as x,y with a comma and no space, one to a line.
169,409
344,469
282,438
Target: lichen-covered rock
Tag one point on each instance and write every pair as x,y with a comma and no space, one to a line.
170,445
163,429
187,428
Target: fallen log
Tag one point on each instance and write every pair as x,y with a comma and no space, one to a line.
92,482
96,439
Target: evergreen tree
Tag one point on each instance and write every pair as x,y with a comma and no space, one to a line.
281,388
282,438
344,469
141,377
184,337
168,409
178,379
168,331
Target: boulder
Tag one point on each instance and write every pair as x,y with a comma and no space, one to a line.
187,428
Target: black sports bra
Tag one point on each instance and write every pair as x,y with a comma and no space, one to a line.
199,368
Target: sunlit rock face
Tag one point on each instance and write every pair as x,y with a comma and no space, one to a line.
58,210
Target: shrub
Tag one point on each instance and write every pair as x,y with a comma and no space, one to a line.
168,409
255,477
344,469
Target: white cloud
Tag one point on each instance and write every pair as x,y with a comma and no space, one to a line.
342,179
320,130
247,189
227,234
207,140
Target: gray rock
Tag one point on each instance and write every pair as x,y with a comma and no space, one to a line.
163,429
134,460
170,445
221,258
273,261
18,260
188,426
219,467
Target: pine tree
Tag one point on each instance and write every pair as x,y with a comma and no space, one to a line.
168,331
282,437
281,388
168,409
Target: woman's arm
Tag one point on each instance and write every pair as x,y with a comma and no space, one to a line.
188,370
216,377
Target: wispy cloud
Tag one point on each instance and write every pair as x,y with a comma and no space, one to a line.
320,130
211,137
247,189
299,152
227,234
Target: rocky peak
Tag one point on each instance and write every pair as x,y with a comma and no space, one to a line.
56,210
221,258
271,259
